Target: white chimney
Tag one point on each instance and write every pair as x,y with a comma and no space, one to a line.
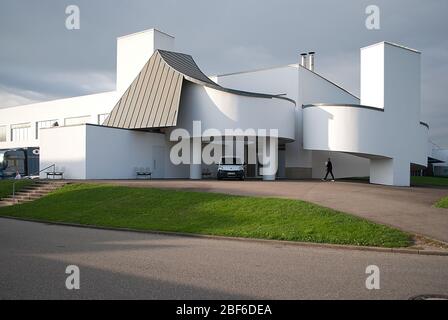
311,60
303,59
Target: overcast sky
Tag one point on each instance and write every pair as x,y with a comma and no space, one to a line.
40,59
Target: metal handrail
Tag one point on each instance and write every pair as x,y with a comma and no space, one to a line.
29,176
37,173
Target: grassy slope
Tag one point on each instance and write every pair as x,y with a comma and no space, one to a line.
6,186
429,181
442,203
206,213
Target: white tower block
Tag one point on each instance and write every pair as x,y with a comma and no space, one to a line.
390,80
134,50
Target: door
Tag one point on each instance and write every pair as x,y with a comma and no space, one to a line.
158,162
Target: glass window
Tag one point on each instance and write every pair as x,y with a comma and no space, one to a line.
102,118
44,124
76,120
2,133
20,132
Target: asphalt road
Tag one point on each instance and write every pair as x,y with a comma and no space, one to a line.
127,265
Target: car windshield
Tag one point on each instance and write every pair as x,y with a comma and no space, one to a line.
231,160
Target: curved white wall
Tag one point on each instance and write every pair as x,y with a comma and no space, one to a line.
345,129
369,133
223,110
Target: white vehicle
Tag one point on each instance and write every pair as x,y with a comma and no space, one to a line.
230,167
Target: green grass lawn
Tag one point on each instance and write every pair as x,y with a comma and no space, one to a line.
442,203
429,181
6,186
206,213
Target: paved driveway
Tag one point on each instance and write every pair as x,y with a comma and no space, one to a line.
410,209
129,265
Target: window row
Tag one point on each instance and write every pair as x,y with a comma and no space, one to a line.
24,131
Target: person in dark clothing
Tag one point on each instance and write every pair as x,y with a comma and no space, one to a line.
329,166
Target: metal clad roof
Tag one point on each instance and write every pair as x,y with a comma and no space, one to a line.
149,95
152,100
168,107
118,110
164,98
172,115
131,106
185,64
141,97
158,97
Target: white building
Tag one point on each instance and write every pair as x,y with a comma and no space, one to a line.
438,160
111,135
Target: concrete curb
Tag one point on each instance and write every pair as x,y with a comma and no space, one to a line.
252,240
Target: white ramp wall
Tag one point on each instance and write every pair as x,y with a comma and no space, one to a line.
64,147
116,153
313,88
223,110
97,152
344,165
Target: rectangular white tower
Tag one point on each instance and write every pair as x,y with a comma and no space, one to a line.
134,50
390,80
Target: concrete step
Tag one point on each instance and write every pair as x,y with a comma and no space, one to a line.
52,181
19,194
21,197
39,190
14,199
32,192
31,186
8,203
5,204
43,186
26,195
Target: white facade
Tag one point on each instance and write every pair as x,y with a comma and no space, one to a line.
97,152
440,157
377,135
386,127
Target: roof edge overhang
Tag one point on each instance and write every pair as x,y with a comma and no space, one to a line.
153,98
204,80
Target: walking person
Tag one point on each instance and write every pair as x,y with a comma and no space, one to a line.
329,166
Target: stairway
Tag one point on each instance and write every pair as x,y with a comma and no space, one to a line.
32,192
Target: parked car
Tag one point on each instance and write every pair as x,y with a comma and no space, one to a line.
231,168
